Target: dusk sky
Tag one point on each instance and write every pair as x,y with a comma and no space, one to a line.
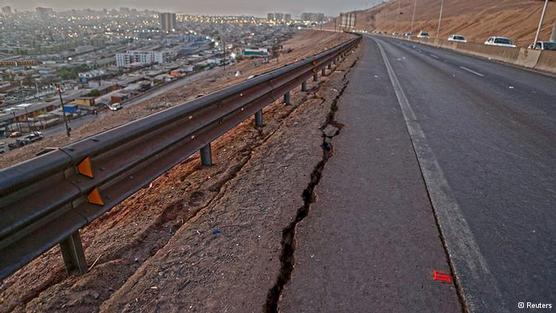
250,7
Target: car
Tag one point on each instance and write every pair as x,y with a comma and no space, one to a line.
423,34
15,134
4,148
115,106
407,34
544,45
457,38
500,42
33,137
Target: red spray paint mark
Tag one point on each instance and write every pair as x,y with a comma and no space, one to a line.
442,277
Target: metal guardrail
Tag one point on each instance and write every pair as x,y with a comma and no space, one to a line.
46,201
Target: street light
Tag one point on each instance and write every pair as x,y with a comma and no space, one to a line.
540,23
440,18
413,16
68,129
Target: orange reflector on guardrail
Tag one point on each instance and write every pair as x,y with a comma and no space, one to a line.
85,168
95,197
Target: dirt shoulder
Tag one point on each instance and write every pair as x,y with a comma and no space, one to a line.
195,232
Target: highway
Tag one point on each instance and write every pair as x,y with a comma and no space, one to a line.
442,157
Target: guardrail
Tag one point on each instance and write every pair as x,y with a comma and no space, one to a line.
46,201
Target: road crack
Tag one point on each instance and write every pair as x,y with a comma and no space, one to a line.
330,129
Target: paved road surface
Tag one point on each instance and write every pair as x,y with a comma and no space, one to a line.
482,136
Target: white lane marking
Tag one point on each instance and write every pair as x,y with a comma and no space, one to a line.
465,256
471,71
434,56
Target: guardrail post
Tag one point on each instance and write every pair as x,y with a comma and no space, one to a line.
72,252
316,77
206,155
304,86
329,66
287,98
259,122
324,71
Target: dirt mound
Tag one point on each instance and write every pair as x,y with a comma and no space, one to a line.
475,19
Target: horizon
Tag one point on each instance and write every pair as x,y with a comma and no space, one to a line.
209,7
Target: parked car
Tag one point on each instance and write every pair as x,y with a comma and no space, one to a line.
115,106
33,137
4,148
500,42
15,134
423,34
544,45
408,34
457,38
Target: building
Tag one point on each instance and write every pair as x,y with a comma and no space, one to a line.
312,17
255,53
167,22
287,17
141,58
270,16
44,12
6,10
279,16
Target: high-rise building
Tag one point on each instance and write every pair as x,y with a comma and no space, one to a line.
6,10
279,16
287,17
167,22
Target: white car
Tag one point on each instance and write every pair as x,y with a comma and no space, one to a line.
500,42
544,45
115,107
457,38
423,34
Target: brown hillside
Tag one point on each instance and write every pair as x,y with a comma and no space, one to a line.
476,19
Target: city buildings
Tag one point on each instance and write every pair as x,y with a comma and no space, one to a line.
141,58
167,22
6,10
312,17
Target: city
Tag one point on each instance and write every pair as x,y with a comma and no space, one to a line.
292,156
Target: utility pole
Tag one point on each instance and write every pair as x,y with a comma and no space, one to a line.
413,16
540,23
440,18
399,14
68,129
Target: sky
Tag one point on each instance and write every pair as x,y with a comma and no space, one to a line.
216,7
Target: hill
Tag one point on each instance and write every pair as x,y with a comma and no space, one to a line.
476,19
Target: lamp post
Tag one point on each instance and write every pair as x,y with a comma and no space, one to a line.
413,15
540,23
440,18
68,129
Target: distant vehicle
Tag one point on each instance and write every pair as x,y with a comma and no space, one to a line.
4,147
115,106
33,137
500,42
544,45
15,134
457,38
408,34
423,34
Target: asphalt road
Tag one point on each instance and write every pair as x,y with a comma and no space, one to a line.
482,137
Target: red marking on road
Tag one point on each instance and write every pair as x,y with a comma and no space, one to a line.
442,277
